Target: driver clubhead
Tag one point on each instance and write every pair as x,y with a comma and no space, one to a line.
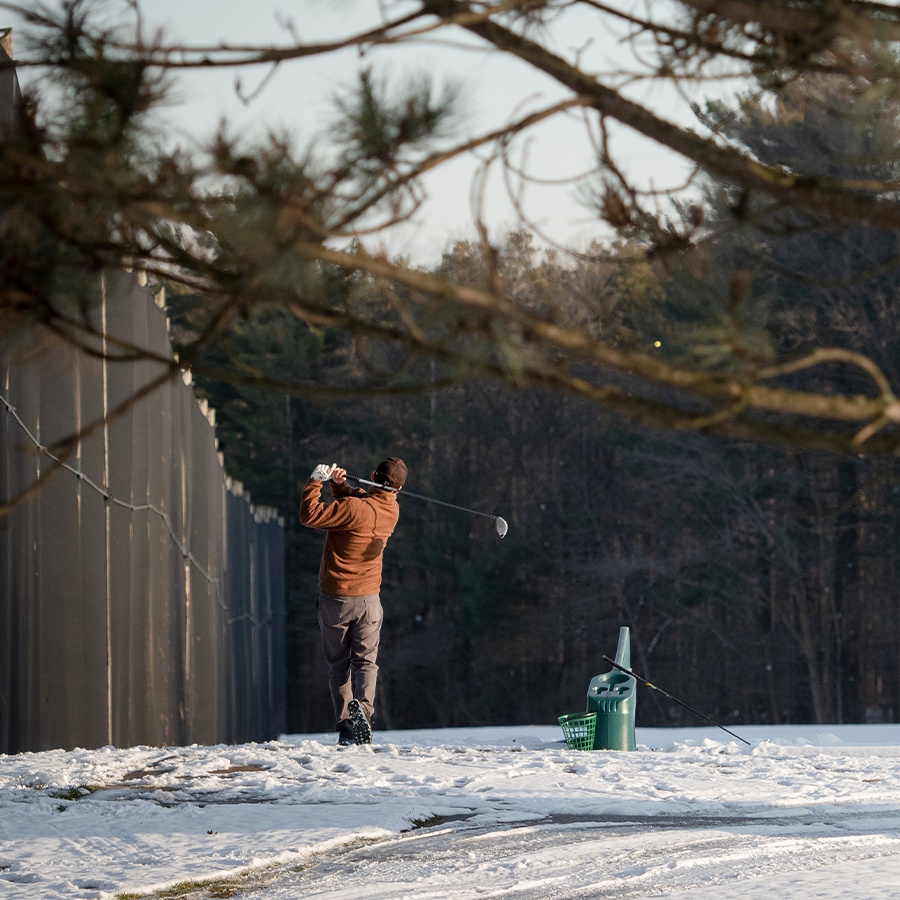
502,527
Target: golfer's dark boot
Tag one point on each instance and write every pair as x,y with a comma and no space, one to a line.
360,723
345,733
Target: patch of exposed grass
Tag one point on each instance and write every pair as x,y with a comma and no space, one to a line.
199,888
233,885
187,889
182,889
214,887
232,770
76,792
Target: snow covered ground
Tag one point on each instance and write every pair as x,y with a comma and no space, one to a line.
508,812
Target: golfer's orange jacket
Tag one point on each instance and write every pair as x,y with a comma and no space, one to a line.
358,524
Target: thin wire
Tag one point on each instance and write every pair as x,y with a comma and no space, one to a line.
143,507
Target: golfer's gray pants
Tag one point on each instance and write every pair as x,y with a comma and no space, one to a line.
351,630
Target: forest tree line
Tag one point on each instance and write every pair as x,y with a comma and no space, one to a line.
760,584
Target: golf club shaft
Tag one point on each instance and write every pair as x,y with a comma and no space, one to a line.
406,493
673,699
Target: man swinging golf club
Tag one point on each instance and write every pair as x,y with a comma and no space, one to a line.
357,525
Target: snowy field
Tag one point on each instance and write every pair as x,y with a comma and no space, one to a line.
805,812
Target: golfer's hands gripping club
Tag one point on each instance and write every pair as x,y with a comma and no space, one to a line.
323,472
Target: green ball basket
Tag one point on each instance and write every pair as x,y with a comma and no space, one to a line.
578,730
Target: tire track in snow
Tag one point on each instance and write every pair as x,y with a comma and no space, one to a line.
558,859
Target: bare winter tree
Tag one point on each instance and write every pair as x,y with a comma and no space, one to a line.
85,186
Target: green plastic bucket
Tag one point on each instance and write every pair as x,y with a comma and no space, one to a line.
578,730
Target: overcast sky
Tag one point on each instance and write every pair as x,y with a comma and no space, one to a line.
298,97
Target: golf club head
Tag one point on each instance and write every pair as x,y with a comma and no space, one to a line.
502,527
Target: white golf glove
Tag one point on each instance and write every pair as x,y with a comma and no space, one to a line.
322,472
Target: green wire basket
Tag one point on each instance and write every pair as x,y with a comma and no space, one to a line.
578,730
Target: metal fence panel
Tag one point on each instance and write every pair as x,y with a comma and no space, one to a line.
119,446
60,626
137,695
238,601
8,643
140,600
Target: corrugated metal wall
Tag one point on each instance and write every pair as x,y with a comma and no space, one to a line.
141,594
